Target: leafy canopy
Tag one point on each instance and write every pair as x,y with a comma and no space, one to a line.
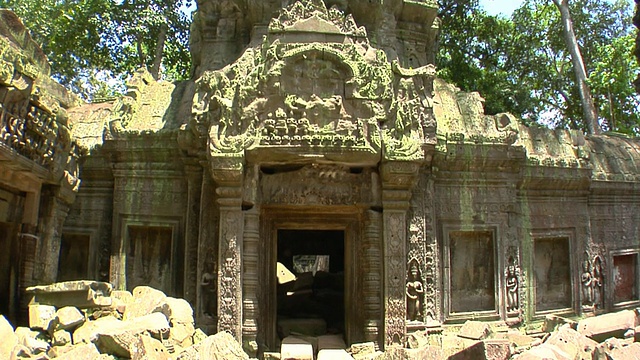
91,41
521,64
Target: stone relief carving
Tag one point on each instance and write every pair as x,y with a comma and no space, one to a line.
320,184
512,284
592,282
334,95
415,292
230,305
395,275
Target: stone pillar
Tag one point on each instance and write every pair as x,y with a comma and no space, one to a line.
397,180
372,276
54,211
250,281
229,191
194,186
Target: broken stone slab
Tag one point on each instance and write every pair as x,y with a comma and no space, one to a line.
543,352
41,316
88,332
81,294
519,340
424,353
616,349
9,338
334,354
221,346
475,330
271,355
119,338
69,317
552,322
493,349
32,341
602,327
576,345
294,348
146,300
148,348
81,352
453,344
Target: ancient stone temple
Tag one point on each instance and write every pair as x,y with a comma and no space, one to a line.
315,141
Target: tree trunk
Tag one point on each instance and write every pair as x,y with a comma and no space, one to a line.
588,107
157,57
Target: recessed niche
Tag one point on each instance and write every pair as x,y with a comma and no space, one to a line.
73,263
552,274
149,257
472,280
625,278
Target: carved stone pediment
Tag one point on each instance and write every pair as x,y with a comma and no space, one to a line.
301,96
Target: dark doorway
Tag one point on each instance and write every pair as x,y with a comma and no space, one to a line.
8,275
73,263
312,304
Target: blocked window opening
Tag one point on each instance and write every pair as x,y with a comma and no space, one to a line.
149,257
471,258
625,278
313,303
552,274
73,263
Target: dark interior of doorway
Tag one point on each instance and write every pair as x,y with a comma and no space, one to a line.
312,304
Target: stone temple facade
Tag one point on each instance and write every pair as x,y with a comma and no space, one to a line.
316,137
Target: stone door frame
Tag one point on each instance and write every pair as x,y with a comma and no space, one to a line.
345,218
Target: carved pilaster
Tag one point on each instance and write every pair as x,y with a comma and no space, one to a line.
250,281
229,191
397,180
194,186
372,276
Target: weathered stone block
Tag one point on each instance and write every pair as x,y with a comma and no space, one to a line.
417,339
41,316
9,338
294,348
425,353
453,344
576,345
61,338
88,332
81,294
221,346
120,337
146,300
334,354
69,317
475,330
271,356
148,348
602,327
81,352
177,310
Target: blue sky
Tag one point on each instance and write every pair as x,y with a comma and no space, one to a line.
506,7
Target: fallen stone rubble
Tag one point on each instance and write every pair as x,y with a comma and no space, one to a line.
86,320
89,320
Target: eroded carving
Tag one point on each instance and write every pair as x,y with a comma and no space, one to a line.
415,292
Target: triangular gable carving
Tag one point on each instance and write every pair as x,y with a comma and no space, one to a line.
344,101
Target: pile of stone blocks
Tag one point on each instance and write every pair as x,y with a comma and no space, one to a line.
80,320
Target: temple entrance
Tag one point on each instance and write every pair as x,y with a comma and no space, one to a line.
311,282
316,249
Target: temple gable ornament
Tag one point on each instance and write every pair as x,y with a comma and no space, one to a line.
316,87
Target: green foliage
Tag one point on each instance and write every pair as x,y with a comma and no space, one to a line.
521,64
91,41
